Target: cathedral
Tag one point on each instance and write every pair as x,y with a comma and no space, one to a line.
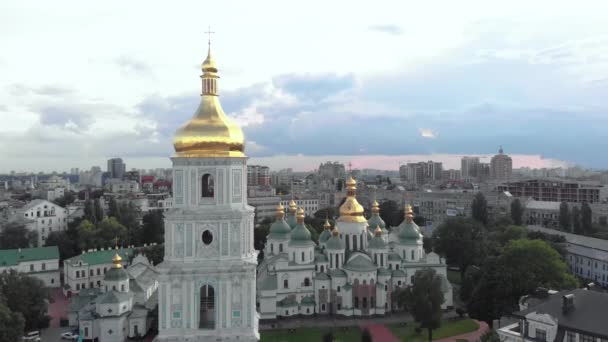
353,269
208,277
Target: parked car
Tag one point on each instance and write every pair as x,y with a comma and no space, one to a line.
69,336
32,336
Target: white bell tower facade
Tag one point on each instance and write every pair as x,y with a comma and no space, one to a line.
207,280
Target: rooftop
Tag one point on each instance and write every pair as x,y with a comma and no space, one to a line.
100,257
12,257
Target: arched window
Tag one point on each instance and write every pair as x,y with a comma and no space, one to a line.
337,260
207,308
280,248
323,307
322,268
376,258
306,282
122,287
338,289
356,302
372,302
365,302
412,255
397,266
316,268
285,283
354,242
207,185
361,240
271,248
347,241
302,256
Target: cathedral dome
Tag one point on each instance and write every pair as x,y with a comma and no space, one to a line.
279,227
351,210
334,242
210,133
409,232
291,214
116,272
376,220
326,234
377,242
300,235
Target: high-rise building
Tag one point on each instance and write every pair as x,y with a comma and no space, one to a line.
116,168
258,175
501,166
207,281
332,170
469,167
421,173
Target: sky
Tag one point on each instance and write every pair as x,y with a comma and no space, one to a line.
376,83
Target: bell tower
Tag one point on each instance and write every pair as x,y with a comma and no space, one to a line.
208,276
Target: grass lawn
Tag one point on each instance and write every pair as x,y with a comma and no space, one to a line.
454,277
447,329
310,335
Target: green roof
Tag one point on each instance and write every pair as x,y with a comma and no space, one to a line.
12,257
398,273
100,257
380,285
270,283
337,273
114,297
307,301
377,243
291,220
409,233
287,301
394,257
335,243
360,262
320,257
375,221
325,235
347,287
384,272
300,233
322,276
116,274
279,229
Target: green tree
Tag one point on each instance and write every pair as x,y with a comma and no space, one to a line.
108,230
67,247
564,217
576,221
65,200
470,280
389,212
86,235
99,214
89,211
153,229
28,296
155,253
423,299
11,323
113,209
517,212
461,241
15,235
490,336
586,225
479,208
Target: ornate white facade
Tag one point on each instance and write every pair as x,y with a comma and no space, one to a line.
208,276
351,272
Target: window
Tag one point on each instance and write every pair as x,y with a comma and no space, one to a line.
207,185
412,254
339,306
541,335
52,280
399,283
322,268
586,338
86,331
77,287
280,248
316,268
338,289
322,307
285,283
354,242
397,266
306,282
365,302
271,249
371,302
356,302
122,287
385,287
31,267
337,260
98,271
570,336
207,237
91,272
302,256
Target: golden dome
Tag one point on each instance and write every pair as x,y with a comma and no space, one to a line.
292,206
300,215
210,133
409,214
116,261
351,210
280,211
375,207
335,232
327,225
378,231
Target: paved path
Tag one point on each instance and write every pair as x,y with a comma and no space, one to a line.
381,333
471,337
58,308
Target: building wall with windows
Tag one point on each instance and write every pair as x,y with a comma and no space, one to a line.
87,270
43,217
310,205
41,263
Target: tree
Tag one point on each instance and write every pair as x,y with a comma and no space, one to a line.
108,230
153,229
479,208
423,299
389,212
576,221
89,211
366,336
28,296
490,336
67,247
460,240
14,235
155,253
99,214
65,200
113,210
586,214
517,212
86,235
11,324
564,216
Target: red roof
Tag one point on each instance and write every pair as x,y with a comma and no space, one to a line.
147,179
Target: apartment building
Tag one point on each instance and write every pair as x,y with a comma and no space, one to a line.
554,190
41,263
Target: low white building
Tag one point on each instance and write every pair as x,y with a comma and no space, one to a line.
567,316
88,269
310,205
41,263
264,206
43,217
586,256
120,308
119,185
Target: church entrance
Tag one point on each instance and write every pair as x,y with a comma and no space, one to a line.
207,308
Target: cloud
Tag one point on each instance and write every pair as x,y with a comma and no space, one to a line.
427,133
130,66
387,28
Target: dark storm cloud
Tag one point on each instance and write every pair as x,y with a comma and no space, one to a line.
387,28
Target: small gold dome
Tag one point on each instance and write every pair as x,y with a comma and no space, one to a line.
335,232
280,211
378,231
300,215
210,133
327,225
292,206
409,214
116,261
375,207
351,210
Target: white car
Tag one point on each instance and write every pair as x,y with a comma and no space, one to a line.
32,336
69,336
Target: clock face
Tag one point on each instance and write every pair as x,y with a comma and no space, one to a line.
207,237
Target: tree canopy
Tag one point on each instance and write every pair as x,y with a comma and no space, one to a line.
11,323
28,296
517,212
15,235
564,216
460,240
479,208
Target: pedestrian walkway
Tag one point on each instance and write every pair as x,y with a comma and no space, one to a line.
471,337
381,333
58,308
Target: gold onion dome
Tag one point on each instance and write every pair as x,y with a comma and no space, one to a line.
300,235
327,225
378,231
409,232
210,133
279,228
326,233
351,210
300,215
292,206
117,261
335,232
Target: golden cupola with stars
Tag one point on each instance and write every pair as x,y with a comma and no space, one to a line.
351,210
210,132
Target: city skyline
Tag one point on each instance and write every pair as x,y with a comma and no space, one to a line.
399,85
